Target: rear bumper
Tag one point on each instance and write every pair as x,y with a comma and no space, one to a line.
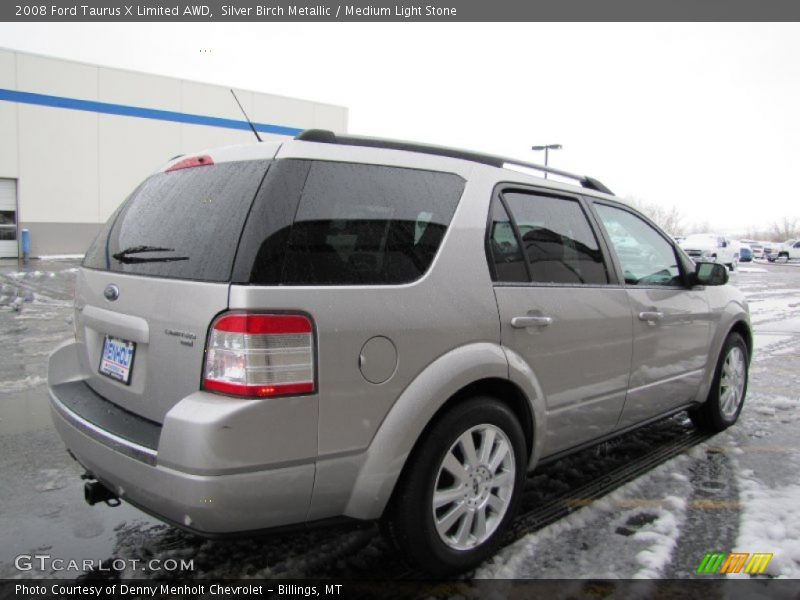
195,476
205,504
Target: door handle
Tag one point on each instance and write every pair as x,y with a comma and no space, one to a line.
651,316
523,322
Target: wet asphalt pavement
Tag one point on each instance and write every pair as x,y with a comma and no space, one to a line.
41,498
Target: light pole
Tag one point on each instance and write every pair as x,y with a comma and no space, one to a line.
546,149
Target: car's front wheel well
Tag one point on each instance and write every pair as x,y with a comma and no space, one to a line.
743,330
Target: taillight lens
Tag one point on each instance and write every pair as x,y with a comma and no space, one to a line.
260,355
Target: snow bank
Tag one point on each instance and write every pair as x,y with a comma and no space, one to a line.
770,522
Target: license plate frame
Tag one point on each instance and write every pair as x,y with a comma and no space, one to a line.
114,369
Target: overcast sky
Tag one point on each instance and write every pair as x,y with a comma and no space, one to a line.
705,117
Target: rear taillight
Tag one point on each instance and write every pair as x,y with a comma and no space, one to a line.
260,355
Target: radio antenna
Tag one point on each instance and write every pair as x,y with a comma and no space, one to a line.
249,122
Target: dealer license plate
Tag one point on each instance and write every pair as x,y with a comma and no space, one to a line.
116,360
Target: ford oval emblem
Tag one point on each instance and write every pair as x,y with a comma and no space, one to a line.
111,292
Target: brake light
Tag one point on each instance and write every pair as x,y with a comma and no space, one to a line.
260,355
193,161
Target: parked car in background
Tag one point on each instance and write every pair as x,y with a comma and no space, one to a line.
745,253
711,247
341,327
768,248
789,250
756,248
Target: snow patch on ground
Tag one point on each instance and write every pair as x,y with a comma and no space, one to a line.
630,533
49,480
661,536
789,350
767,346
770,522
31,381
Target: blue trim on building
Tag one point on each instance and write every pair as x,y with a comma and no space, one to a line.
138,112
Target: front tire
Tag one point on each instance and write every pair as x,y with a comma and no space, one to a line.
728,389
460,489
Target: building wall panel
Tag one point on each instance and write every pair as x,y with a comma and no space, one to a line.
42,75
8,117
138,89
58,175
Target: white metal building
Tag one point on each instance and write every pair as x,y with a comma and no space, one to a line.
75,139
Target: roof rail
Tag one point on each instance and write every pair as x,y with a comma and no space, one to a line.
324,136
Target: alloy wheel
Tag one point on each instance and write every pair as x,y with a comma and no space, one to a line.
474,487
731,383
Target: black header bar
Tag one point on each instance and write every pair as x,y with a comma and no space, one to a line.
400,11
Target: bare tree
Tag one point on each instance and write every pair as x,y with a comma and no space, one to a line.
669,218
699,227
784,229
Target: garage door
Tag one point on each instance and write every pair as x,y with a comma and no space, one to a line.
8,218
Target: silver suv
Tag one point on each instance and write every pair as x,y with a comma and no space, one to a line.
341,327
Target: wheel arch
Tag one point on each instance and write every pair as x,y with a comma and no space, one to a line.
477,369
743,329
500,389
737,323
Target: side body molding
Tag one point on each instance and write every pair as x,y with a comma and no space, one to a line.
410,415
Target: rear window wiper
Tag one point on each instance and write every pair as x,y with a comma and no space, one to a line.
125,255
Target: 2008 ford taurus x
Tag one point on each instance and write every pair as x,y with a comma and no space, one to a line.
287,333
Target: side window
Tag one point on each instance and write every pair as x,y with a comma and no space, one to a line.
557,239
646,258
504,248
360,224
330,223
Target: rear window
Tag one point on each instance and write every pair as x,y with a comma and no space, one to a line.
327,223
184,224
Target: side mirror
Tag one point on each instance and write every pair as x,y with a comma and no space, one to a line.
708,273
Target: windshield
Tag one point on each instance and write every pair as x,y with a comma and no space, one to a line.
182,224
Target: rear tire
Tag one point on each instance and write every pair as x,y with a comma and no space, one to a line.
728,389
460,489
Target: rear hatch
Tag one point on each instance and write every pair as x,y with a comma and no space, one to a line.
156,276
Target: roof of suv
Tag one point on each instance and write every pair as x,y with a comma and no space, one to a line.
269,149
329,137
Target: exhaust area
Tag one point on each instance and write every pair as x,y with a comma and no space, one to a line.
95,492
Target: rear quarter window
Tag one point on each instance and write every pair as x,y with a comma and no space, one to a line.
350,224
183,224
